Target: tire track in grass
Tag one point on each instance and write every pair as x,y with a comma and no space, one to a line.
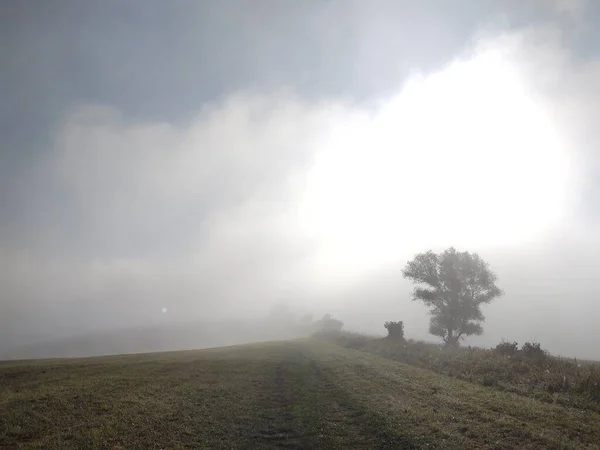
371,424
294,413
277,425
303,407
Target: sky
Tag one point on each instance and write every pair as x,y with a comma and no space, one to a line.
173,162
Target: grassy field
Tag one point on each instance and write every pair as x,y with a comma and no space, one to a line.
535,374
295,394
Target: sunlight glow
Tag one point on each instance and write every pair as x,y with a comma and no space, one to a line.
465,157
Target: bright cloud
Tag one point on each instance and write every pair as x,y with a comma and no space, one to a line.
261,195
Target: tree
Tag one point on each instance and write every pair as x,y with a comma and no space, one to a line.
454,285
328,325
395,330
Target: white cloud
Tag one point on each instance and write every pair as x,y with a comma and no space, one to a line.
223,214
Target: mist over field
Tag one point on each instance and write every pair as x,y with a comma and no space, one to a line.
184,175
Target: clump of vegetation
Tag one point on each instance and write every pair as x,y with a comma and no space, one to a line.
395,330
328,326
510,349
490,380
529,350
533,350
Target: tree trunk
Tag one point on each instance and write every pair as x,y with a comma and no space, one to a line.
452,341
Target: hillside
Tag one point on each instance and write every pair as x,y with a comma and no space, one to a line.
292,394
157,338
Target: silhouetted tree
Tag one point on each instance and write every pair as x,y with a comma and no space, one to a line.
395,330
329,325
454,285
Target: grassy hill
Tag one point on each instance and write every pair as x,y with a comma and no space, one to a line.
157,338
528,371
291,394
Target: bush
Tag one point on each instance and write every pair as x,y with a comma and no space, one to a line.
533,350
328,325
490,380
395,330
588,381
507,348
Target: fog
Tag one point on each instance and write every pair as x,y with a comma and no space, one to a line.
176,175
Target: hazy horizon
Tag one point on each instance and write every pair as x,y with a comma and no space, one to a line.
170,163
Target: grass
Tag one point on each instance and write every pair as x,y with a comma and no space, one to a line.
295,394
535,374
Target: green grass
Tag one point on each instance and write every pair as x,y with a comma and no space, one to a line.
295,394
542,376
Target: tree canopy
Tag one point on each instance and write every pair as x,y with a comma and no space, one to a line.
454,285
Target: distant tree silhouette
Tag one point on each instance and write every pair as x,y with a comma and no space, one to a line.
395,330
454,285
328,325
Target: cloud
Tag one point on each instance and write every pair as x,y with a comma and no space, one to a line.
200,217
211,217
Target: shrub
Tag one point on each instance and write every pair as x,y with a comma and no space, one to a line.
588,381
328,325
489,380
557,383
507,348
395,330
533,350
